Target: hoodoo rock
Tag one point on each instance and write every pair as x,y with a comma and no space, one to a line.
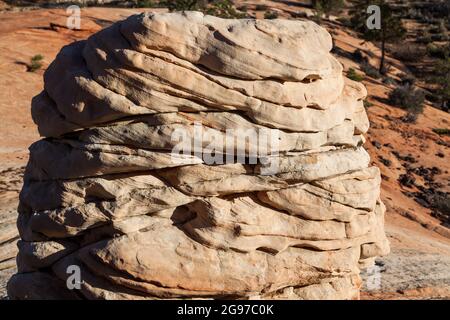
188,156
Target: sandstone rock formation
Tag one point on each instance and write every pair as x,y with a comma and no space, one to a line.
103,190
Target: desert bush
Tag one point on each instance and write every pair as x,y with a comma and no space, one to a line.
442,131
367,103
370,71
439,37
409,52
219,8
443,25
146,4
441,77
443,204
434,29
223,9
183,5
389,81
427,19
409,98
344,21
243,8
353,75
425,39
35,63
407,79
270,15
260,7
438,51
411,13
440,30
327,7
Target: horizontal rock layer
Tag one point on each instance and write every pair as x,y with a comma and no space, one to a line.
294,217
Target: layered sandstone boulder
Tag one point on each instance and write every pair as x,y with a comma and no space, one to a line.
108,190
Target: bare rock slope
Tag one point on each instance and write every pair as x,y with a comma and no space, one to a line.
104,192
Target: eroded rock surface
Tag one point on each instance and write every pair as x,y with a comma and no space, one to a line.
103,190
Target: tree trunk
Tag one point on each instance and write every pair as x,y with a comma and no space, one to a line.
383,47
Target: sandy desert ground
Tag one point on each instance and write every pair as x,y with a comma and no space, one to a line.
419,264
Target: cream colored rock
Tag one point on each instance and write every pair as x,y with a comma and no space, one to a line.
341,198
220,132
327,289
72,159
206,270
188,156
229,46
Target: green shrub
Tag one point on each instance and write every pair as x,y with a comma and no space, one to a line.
353,75
409,52
440,201
327,7
441,76
389,81
345,21
370,71
439,31
243,8
425,39
409,98
439,37
434,29
442,131
386,68
438,51
443,204
223,9
367,103
36,63
183,5
407,79
270,15
146,4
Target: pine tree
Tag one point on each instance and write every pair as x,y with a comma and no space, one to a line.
391,25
